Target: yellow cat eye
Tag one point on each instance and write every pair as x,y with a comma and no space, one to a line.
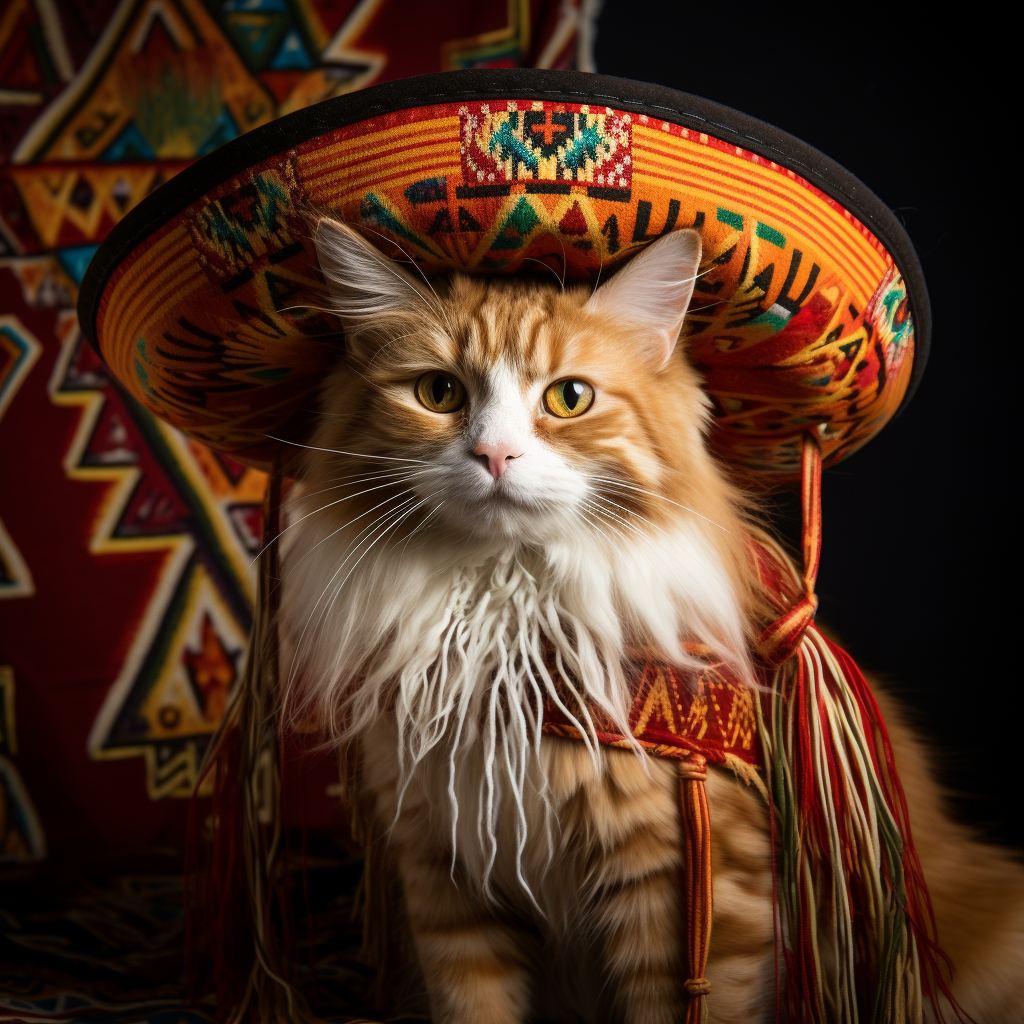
440,392
567,398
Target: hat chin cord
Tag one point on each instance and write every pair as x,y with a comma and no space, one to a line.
239,922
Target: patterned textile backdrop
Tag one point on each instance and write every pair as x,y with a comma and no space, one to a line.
125,595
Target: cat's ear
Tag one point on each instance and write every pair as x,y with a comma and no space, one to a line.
653,291
363,284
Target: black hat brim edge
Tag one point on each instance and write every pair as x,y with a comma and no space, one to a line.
516,84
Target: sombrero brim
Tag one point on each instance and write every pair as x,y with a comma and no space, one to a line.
813,312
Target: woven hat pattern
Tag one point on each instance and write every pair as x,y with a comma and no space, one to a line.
800,318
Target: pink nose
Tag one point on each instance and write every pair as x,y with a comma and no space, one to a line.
496,456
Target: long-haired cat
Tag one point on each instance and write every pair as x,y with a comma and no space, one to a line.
506,472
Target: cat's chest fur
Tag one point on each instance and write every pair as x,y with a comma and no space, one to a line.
602,866
572,851
460,647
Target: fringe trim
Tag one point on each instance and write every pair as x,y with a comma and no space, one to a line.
856,923
378,898
746,773
239,924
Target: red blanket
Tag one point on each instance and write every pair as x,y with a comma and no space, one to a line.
125,600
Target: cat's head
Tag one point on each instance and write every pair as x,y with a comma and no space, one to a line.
516,410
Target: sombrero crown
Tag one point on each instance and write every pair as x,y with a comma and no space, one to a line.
810,314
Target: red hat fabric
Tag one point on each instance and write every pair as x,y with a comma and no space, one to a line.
810,313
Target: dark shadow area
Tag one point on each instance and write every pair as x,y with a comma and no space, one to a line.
919,549
102,939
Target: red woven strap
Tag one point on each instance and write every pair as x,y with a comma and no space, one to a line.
675,711
781,638
693,773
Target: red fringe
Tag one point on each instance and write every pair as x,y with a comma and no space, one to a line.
936,966
219,950
232,858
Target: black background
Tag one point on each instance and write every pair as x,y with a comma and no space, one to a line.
919,557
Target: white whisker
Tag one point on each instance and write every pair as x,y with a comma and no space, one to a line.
338,451
607,515
423,522
345,526
654,494
337,571
604,499
323,508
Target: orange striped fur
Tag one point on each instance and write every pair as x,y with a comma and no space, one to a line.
433,555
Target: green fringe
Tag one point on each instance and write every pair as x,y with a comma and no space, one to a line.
838,969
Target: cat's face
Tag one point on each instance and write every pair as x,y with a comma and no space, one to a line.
511,409
500,463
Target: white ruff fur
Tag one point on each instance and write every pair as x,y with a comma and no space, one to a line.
443,629
450,638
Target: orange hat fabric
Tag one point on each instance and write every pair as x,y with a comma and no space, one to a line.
811,311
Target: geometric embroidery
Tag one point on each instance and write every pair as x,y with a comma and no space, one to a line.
18,352
798,317
200,511
168,81
676,711
21,834
888,313
545,145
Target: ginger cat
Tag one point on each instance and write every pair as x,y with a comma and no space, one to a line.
503,467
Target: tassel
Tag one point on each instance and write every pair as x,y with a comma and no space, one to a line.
239,917
851,900
693,774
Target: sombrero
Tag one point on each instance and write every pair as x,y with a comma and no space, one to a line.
811,312
809,323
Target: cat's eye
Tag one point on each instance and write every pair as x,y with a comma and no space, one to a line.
440,392
567,398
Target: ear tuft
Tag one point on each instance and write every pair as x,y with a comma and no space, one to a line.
362,282
652,292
